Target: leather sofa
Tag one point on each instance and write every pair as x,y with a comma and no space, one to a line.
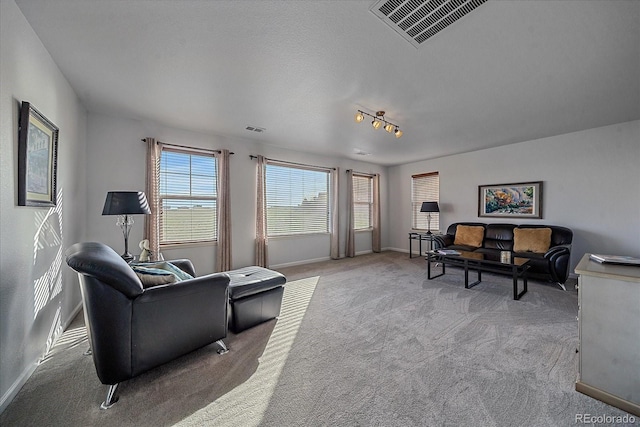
133,329
552,265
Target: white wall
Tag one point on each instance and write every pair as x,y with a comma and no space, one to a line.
591,184
116,161
38,294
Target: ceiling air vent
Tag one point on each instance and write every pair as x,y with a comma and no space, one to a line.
418,20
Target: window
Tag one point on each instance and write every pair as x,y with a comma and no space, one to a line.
424,188
297,199
362,202
188,197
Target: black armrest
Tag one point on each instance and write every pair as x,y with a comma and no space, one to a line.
560,249
559,257
171,320
444,240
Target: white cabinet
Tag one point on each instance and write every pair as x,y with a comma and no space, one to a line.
609,329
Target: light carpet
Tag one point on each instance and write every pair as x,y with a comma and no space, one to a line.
367,341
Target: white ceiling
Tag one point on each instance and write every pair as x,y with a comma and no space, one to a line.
510,71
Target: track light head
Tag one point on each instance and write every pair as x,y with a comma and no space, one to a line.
379,121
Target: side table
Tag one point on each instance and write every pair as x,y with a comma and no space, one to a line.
420,237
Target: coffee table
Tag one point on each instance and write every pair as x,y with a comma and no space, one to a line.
482,262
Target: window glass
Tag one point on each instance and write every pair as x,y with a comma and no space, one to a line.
188,197
424,188
362,202
296,199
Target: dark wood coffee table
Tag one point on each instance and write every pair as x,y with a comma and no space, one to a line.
482,262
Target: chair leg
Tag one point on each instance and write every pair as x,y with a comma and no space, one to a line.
111,397
223,348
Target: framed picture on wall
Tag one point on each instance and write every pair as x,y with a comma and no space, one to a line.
37,158
520,200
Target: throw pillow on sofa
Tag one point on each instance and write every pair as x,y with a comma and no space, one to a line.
469,235
535,240
159,273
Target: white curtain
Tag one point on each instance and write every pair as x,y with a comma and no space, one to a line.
262,258
350,247
375,235
223,256
335,215
152,222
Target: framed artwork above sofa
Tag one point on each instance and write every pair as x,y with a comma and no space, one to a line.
519,200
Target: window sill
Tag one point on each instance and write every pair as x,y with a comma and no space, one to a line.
188,245
294,236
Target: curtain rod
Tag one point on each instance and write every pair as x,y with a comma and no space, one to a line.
361,173
187,147
251,156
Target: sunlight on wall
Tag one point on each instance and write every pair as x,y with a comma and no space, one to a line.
54,331
70,338
46,241
245,405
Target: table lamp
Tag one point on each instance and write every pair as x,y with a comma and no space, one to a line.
124,204
429,207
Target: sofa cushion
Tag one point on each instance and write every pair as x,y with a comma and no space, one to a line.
467,235
499,236
531,240
154,279
158,273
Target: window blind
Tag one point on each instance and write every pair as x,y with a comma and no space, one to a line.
297,199
362,202
188,197
424,188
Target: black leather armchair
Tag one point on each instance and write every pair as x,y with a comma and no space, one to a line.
132,329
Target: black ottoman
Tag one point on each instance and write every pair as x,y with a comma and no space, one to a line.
255,296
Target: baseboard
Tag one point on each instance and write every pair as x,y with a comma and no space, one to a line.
608,398
406,251
311,261
17,385
15,388
306,261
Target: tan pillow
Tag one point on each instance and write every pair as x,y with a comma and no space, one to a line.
535,240
469,235
149,280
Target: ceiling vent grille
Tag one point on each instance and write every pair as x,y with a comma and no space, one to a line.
418,20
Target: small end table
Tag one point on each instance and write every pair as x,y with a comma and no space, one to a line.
414,235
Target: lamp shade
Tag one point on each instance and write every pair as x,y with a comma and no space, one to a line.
126,203
429,207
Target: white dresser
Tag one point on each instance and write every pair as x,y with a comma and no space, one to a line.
609,330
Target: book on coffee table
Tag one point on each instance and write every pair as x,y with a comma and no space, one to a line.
448,252
615,259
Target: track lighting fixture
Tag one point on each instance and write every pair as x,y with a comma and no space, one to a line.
379,121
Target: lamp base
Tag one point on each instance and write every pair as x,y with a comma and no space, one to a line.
127,257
